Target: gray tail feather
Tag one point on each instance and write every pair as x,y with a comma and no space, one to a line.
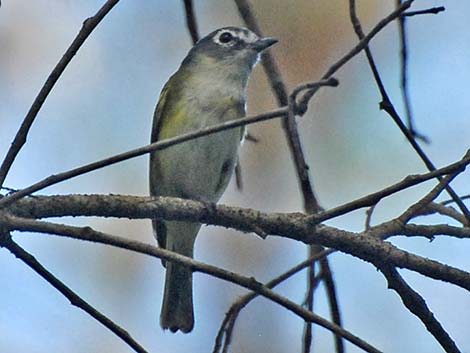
177,309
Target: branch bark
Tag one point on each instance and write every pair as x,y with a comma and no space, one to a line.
297,226
87,233
416,304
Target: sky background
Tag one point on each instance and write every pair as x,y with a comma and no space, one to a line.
103,105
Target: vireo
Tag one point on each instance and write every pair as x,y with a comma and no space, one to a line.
208,88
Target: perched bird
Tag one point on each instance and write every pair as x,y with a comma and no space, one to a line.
208,88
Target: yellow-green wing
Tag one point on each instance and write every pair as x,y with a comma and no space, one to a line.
154,175
157,116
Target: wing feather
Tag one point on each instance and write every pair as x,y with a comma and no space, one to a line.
159,227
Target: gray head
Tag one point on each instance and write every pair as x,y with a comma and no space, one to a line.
230,46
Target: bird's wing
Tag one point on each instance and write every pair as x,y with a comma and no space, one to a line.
159,227
157,116
168,121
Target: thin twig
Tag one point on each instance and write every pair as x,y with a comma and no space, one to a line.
226,328
432,231
404,77
432,10
427,199
335,314
238,176
251,138
357,49
160,145
300,108
20,138
7,242
374,198
447,202
416,304
363,202
386,105
89,234
369,213
438,208
312,284
191,20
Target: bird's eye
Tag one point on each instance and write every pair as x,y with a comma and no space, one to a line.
225,37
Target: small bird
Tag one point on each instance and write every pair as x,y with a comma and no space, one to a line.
208,88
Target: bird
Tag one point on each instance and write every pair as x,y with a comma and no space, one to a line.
208,88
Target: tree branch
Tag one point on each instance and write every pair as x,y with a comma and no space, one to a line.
88,234
20,138
432,10
386,104
191,20
156,146
433,208
416,304
431,231
7,242
366,245
426,200
228,323
334,305
363,43
373,198
404,76
160,145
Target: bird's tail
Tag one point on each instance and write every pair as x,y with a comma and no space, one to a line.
177,309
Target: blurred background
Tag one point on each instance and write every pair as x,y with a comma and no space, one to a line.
103,105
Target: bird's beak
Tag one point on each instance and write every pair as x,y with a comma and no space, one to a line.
263,43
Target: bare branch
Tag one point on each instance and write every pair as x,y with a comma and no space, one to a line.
430,197
404,77
312,284
431,231
269,65
357,49
369,213
432,10
374,198
296,226
334,305
416,304
228,323
20,139
191,20
160,145
386,104
7,242
447,202
433,208
156,146
86,233
308,86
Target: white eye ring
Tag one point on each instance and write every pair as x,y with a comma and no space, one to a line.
226,38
